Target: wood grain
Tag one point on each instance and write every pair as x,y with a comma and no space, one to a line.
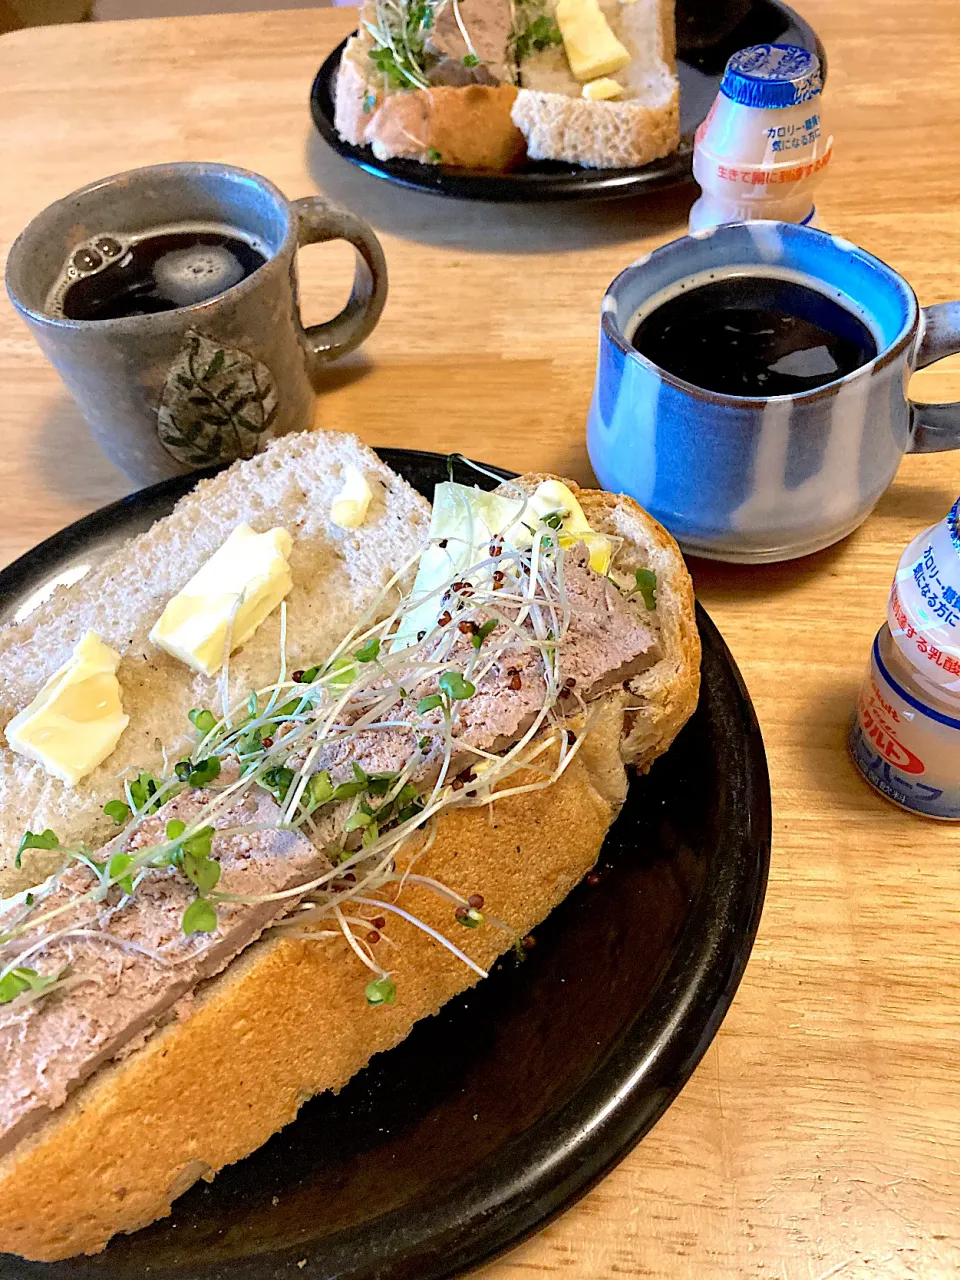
820,1136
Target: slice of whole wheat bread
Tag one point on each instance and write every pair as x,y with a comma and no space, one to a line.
336,572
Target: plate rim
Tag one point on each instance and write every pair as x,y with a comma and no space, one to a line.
509,1212
580,183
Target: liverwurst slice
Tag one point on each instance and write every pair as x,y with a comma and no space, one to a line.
607,641
488,24
52,1045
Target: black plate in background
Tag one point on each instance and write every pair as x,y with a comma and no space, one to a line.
505,1108
708,33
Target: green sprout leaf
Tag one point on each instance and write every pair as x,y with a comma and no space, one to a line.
647,586
454,686
430,703
201,870
469,917
344,670
199,917
368,652
118,811
202,719
32,840
204,771
115,869
277,781
371,833
434,156
381,991
142,789
319,790
554,519
19,980
175,829
357,820
471,60
483,631
198,845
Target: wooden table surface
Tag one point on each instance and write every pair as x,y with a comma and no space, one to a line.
820,1135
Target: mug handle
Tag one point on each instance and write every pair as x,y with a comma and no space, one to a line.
936,427
319,220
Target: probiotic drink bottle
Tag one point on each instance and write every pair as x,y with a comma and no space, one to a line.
761,149
905,735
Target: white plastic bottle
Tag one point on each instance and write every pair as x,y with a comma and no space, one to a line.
761,149
905,735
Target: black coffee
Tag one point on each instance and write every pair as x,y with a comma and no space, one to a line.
107,279
754,336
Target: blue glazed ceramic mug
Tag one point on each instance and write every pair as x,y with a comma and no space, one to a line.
750,479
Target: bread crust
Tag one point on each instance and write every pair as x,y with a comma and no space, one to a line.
469,127
665,697
287,1020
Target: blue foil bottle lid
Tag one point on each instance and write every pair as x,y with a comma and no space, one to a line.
772,75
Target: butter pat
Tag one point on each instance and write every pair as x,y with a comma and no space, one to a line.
349,507
602,90
76,719
592,48
232,593
464,523
553,495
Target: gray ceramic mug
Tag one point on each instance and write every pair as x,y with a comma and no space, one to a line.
168,392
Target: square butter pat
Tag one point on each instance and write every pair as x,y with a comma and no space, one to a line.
591,47
232,593
76,719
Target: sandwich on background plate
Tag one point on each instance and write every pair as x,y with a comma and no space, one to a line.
485,84
281,777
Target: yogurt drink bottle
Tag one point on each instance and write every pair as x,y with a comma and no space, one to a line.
905,735
762,147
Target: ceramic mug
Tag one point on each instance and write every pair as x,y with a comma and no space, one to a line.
749,479
168,392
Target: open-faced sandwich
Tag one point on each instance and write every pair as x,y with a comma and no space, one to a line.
486,83
282,776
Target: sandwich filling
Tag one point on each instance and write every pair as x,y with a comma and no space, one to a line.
319,791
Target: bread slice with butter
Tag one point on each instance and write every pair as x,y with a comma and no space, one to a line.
336,573
561,120
596,85
286,1019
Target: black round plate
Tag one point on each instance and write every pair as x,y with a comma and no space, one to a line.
505,1108
708,32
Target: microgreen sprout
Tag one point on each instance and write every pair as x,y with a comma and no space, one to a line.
142,794
33,840
368,652
118,811
647,586
116,868
202,719
482,632
381,991
456,687
21,979
198,774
